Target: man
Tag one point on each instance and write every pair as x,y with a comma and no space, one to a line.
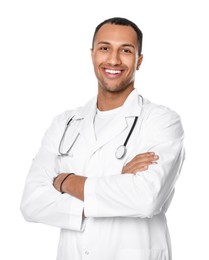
105,172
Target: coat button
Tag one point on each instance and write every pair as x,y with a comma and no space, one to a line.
86,252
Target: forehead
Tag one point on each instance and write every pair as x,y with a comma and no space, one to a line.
120,34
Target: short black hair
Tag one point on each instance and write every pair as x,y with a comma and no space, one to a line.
121,21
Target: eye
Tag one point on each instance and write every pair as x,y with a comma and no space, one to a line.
104,48
126,50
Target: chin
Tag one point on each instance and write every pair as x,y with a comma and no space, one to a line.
115,89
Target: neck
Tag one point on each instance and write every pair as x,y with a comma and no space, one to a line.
110,100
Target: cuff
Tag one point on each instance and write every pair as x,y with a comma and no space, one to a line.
76,215
90,202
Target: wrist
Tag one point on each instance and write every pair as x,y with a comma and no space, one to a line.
74,185
62,184
59,181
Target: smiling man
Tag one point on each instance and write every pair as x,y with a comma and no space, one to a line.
115,57
105,173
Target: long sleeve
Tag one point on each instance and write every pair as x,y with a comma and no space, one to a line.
143,194
41,202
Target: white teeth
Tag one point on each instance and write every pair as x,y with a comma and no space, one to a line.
113,71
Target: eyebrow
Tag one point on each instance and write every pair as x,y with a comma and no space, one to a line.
103,42
123,45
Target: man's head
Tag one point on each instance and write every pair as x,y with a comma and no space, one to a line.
125,22
116,54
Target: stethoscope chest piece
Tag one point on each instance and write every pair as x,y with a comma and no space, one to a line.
120,152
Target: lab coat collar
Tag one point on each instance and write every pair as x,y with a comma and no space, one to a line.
131,107
133,104
86,114
88,108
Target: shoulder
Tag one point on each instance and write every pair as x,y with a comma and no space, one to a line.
153,111
65,115
161,119
56,128
60,120
77,113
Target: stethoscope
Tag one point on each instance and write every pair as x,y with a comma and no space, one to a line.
120,151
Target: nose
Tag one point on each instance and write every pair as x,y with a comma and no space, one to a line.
114,58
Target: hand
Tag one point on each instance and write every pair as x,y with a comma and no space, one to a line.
140,163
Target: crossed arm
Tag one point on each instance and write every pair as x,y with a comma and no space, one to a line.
74,184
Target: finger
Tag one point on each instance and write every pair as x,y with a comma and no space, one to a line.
139,161
134,165
141,167
142,160
145,154
142,155
135,168
147,159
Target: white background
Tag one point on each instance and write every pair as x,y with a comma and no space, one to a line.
45,68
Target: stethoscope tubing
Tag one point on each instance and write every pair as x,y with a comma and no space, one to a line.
131,130
62,139
120,152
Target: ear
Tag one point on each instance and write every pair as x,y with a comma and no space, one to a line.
91,50
140,58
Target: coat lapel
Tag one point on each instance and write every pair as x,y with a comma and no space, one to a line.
86,128
131,108
116,126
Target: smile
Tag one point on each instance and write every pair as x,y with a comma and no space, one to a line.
113,71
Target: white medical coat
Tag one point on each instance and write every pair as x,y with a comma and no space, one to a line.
125,213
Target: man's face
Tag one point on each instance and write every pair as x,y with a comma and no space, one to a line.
115,57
